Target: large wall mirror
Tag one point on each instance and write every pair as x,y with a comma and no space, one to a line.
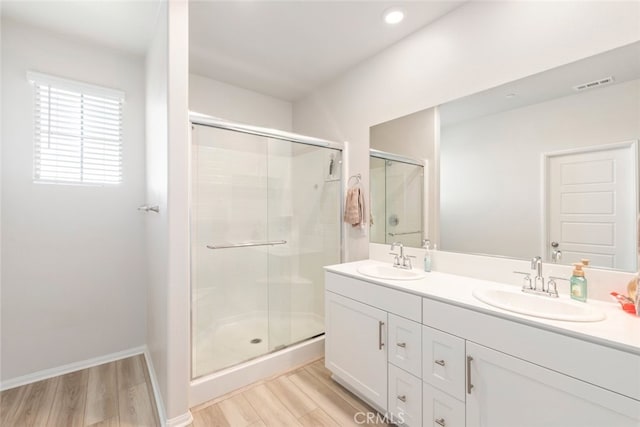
546,165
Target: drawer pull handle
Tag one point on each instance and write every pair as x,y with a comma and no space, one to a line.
440,421
402,344
440,362
469,385
380,343
402,398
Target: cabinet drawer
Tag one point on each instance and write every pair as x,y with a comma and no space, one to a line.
393,301
405,344
405,397
443,357
441,410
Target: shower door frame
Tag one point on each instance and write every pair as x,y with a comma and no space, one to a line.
214,122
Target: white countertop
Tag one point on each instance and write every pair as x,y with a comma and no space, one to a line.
619,330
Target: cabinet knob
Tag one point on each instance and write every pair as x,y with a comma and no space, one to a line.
402,344
402,398
440,362
440,421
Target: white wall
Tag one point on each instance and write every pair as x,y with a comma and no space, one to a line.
491,173
167,158
73,279
178,292
157,129
477,46
236,104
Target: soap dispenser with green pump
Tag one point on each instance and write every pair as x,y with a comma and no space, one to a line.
578,283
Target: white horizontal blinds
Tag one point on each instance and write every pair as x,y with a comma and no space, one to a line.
78,132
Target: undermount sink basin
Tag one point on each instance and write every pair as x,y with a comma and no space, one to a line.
539,306
380,271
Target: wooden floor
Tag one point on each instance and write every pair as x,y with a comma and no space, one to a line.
304,397
119,394
114,394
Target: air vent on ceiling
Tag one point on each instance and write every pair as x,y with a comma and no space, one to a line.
596,83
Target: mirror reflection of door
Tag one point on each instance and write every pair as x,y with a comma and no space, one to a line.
592,199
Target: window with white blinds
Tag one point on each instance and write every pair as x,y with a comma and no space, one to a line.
78,132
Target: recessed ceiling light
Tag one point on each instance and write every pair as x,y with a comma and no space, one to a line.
393,15
511,95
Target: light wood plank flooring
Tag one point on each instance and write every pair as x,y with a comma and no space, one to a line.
119,394
113,394
304,397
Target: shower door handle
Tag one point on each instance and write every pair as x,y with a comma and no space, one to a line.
247,244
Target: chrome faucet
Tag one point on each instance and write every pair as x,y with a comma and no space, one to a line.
401,260
531,285
536,264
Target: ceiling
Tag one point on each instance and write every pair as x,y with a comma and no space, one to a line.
123,25
287,48
623,64
280,48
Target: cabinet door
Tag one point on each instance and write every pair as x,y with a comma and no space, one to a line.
440,410
405,397
405,344
443,361
356,348
508,392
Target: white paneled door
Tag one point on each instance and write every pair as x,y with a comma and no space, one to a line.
592,199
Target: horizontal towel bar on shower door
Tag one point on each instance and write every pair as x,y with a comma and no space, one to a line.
403,233
247,244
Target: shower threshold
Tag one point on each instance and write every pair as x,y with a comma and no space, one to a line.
251,359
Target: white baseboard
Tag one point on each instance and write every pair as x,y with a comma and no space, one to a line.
181,421
155,387
71,367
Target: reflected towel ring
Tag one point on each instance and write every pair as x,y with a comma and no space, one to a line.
357,177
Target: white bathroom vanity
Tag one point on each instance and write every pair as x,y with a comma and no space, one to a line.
429,353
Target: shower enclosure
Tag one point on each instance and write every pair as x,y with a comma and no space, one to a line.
265,219
397,198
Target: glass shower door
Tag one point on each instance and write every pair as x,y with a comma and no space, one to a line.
229,223
304,209
265,218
